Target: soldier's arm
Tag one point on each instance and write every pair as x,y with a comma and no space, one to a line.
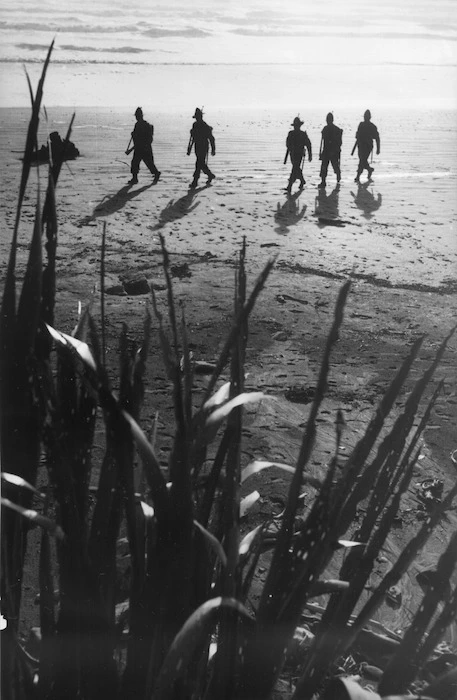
212,142
191,142
309,147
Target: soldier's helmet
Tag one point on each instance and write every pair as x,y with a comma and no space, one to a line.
329,118
138,112
198,113
297,122
367,114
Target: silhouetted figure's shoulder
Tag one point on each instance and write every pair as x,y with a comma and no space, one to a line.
142,133
367,130
297,137
201,128
332,132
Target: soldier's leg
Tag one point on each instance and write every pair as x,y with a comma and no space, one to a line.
135,167
148,159
295,173
291,179
364,165
207,171
324,166
198,168
369,168
362,161
336,167
324,169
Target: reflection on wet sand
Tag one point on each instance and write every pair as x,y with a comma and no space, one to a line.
365,199
289,214
327,205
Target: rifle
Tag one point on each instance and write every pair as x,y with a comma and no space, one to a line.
353,150
128,149
190,144
286,156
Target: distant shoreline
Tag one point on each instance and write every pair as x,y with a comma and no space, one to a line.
169,85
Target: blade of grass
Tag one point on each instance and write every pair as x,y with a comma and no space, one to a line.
334,636
405,559
36,518
280,562
213,542
102,292
193,637
258,465
29,307
234,332
402,668
16,480
151,465
31,139
219,414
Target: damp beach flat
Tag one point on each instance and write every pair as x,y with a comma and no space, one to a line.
397,229
394,237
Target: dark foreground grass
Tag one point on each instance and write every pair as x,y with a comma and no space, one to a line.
183,630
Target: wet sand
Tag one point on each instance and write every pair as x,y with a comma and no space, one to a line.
395,237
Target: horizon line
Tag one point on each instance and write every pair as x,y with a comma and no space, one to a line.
38,61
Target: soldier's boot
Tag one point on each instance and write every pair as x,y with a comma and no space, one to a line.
134,180
288,189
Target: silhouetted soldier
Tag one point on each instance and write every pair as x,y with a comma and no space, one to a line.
201,137
330,149
296,142
142,135
367,132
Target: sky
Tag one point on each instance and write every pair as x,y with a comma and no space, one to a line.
402,51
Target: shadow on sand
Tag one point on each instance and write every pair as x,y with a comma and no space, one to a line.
289,213
366,201
178,208
111,204
327,205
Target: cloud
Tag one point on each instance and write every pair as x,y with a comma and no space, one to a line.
190,32
75,29
112,49
344,34
33,47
